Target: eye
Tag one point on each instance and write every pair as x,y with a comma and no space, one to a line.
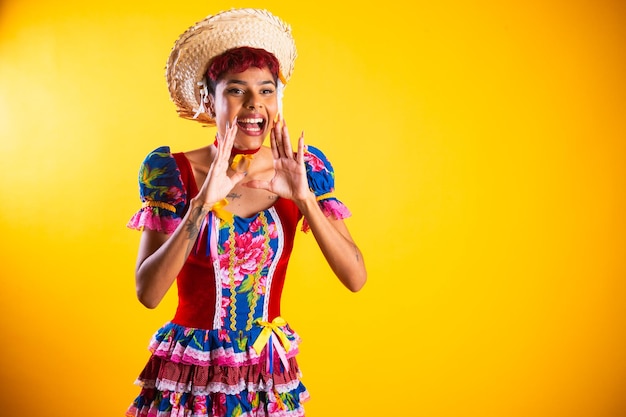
235,91
267,91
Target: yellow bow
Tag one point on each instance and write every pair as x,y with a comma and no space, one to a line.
218,208
237,159
268,329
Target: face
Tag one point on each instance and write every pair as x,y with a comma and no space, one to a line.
251,97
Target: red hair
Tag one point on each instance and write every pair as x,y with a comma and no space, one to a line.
239,60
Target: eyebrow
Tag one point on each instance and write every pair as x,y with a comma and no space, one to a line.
241,82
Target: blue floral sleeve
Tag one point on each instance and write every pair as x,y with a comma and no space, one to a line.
321,178
162,193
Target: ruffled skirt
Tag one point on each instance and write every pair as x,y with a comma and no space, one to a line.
218,373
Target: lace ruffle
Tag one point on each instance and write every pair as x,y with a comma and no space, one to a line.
331,208
220,347
153,218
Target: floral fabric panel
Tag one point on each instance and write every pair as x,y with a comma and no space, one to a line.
246,252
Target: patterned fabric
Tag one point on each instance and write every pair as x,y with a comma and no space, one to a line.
321,177
227,352
162,193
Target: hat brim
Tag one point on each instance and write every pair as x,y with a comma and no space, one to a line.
197,46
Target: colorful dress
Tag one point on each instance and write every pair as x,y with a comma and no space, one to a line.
227,351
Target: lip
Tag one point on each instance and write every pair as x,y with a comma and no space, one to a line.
252,124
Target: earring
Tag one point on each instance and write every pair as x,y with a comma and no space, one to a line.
204,98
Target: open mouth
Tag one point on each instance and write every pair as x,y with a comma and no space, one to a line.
251,125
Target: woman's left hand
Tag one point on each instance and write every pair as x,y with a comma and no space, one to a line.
332,235
290,179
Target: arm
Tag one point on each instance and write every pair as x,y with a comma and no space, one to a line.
338,247
161,256
332,235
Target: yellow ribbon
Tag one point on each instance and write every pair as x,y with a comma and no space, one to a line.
218,208
159,204
325,196
268,329
247,158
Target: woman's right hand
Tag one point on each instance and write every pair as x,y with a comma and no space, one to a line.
162,256
218,184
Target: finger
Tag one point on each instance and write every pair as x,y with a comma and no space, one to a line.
231,133
300,156
234,127
278,134
222,143
277,120
273,145
286,142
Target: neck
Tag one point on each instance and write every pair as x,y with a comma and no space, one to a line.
234,151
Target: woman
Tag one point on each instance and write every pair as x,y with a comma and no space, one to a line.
220,221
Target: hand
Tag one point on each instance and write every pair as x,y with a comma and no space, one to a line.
290,179
218,184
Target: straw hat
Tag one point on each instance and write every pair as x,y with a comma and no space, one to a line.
189,60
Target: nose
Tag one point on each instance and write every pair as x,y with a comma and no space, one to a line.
253,106
253,103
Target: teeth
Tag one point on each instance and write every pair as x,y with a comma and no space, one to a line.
251,120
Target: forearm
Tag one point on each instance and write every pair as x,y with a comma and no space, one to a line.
161,258
336,244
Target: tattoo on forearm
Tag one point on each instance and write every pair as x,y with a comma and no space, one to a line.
272,197
357,254
192,226
233,196
193,222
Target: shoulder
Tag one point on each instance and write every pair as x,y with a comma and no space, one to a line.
198,159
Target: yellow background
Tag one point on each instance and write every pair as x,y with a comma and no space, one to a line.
479,144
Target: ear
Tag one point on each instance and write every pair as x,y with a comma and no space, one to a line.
211,106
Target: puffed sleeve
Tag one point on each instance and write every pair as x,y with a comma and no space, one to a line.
321,178
162,193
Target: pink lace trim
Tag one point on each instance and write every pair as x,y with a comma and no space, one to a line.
333,208
145,218
221,356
